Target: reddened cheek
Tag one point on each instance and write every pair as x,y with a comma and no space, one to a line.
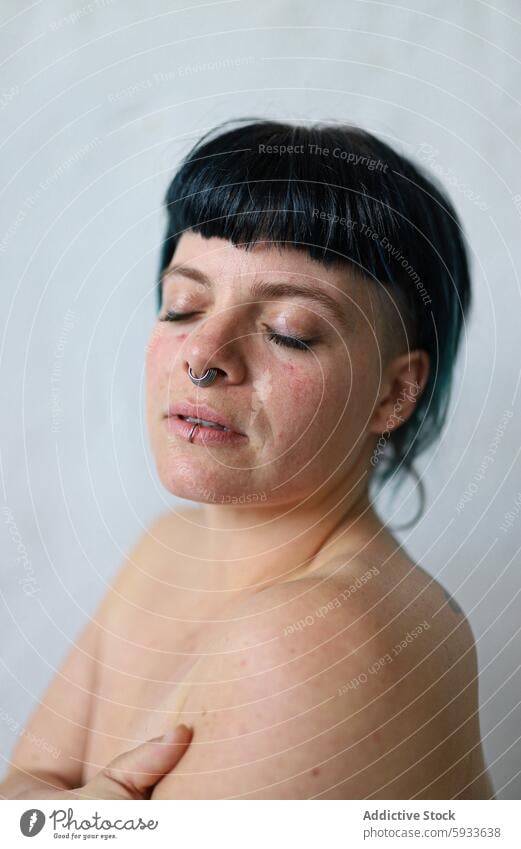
306,392
298,398
159,364
162,353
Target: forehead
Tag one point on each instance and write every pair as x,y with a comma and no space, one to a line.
221,259
358,300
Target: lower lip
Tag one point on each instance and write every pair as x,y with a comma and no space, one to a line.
203,434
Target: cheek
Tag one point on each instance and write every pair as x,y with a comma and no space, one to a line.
321,397
295,406
162,355
354,392
317,385
153,371
306,388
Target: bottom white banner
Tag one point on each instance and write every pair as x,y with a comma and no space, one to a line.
260,824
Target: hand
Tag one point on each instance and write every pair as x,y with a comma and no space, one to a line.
134,774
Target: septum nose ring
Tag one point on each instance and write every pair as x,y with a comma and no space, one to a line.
207,378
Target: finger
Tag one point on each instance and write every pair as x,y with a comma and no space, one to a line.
141,768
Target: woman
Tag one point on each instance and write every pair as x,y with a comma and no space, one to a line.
313,288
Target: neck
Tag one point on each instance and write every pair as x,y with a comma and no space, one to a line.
251,548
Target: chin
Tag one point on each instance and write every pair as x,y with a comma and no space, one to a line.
184,479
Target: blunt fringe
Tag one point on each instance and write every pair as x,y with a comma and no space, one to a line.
345,197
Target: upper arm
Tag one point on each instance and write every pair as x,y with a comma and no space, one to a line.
298,714
54,741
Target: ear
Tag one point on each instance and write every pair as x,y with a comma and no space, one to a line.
403,382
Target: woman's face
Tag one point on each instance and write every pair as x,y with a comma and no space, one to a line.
306,414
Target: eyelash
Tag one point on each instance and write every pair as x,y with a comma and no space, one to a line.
286,341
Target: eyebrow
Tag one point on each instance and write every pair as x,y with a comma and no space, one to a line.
266,289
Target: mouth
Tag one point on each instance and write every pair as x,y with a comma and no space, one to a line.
202,432
203,416
203,423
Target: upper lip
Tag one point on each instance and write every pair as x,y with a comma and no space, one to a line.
201,411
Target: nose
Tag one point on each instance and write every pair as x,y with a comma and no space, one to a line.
215,343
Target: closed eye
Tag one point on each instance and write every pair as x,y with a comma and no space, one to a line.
171,315
278,338
291,341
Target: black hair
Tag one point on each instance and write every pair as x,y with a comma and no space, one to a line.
343,196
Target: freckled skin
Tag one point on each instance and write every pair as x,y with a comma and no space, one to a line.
309,419
296,439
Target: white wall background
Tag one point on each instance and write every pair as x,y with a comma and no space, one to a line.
98,100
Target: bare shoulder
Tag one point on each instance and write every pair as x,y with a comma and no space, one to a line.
330,688
392,597
411,629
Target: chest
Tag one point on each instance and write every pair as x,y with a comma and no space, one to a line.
148,662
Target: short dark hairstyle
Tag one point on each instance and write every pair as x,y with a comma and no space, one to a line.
343,196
